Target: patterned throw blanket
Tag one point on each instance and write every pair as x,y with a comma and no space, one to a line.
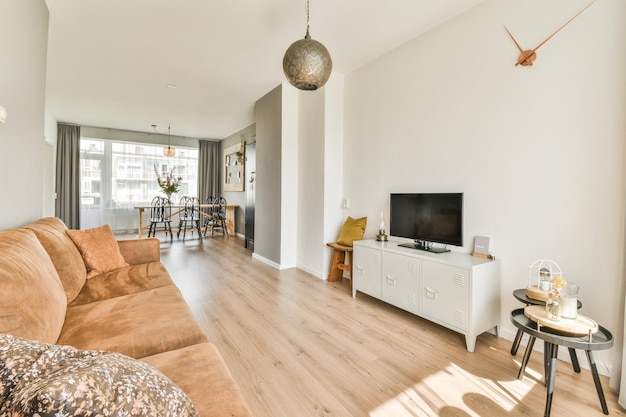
39,379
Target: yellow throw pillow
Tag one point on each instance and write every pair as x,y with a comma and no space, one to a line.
99,249
353,229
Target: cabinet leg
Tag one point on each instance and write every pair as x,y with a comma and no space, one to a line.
470,342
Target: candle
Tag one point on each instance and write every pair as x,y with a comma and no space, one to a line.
569,307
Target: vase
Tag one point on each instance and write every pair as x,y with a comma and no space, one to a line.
168,196
569,301
553,305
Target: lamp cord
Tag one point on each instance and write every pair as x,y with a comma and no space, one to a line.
307,36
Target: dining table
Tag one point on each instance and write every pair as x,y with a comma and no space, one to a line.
205,210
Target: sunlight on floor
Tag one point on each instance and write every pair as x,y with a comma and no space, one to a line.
456,392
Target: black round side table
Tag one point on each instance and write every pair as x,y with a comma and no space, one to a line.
602,339
520,295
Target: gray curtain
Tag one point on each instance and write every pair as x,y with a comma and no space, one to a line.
209,168
67,204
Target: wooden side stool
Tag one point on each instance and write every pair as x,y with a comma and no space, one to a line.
338,262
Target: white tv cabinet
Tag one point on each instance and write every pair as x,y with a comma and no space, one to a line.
456,290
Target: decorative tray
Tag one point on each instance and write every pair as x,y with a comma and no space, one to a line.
579,326
536,294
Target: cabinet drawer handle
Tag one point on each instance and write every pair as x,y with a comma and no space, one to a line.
390,280
432,294
360,270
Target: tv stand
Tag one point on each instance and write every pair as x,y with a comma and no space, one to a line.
456,290
425,246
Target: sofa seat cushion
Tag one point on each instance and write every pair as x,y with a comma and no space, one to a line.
193,369
65,256
123,281
136,325
32,298
50,380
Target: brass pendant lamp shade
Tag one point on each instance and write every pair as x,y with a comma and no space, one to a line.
307,63
169,151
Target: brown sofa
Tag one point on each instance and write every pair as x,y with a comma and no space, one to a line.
135,310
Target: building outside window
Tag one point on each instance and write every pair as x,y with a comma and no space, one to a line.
116,176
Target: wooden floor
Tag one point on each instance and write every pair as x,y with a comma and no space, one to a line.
299,346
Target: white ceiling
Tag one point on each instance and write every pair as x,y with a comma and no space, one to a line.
110,61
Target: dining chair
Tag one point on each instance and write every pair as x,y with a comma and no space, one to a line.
189,216
207,220
218,214
160,213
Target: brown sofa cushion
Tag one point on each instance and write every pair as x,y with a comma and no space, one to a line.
44,379
65,256
32,298
193,369
99,248
135,325
123,281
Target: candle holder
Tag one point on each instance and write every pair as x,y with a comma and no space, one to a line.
382,234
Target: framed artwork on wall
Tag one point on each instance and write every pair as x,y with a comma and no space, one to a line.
234,169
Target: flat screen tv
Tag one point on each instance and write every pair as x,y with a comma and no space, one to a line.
427,218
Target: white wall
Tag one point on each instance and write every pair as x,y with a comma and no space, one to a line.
320,184
310,182
289,177
49,165
24,157
333,165
538,151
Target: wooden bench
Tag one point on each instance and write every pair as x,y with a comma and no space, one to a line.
338,262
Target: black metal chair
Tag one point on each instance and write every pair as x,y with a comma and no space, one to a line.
207,220
189,216
218,216
160,214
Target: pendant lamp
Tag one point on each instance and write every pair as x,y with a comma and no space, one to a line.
169,151
307,63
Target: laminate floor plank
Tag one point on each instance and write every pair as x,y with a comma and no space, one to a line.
298,346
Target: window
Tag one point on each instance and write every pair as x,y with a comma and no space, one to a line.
116,176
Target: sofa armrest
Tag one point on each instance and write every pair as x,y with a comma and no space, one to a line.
140,251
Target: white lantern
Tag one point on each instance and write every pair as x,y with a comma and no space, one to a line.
540,274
